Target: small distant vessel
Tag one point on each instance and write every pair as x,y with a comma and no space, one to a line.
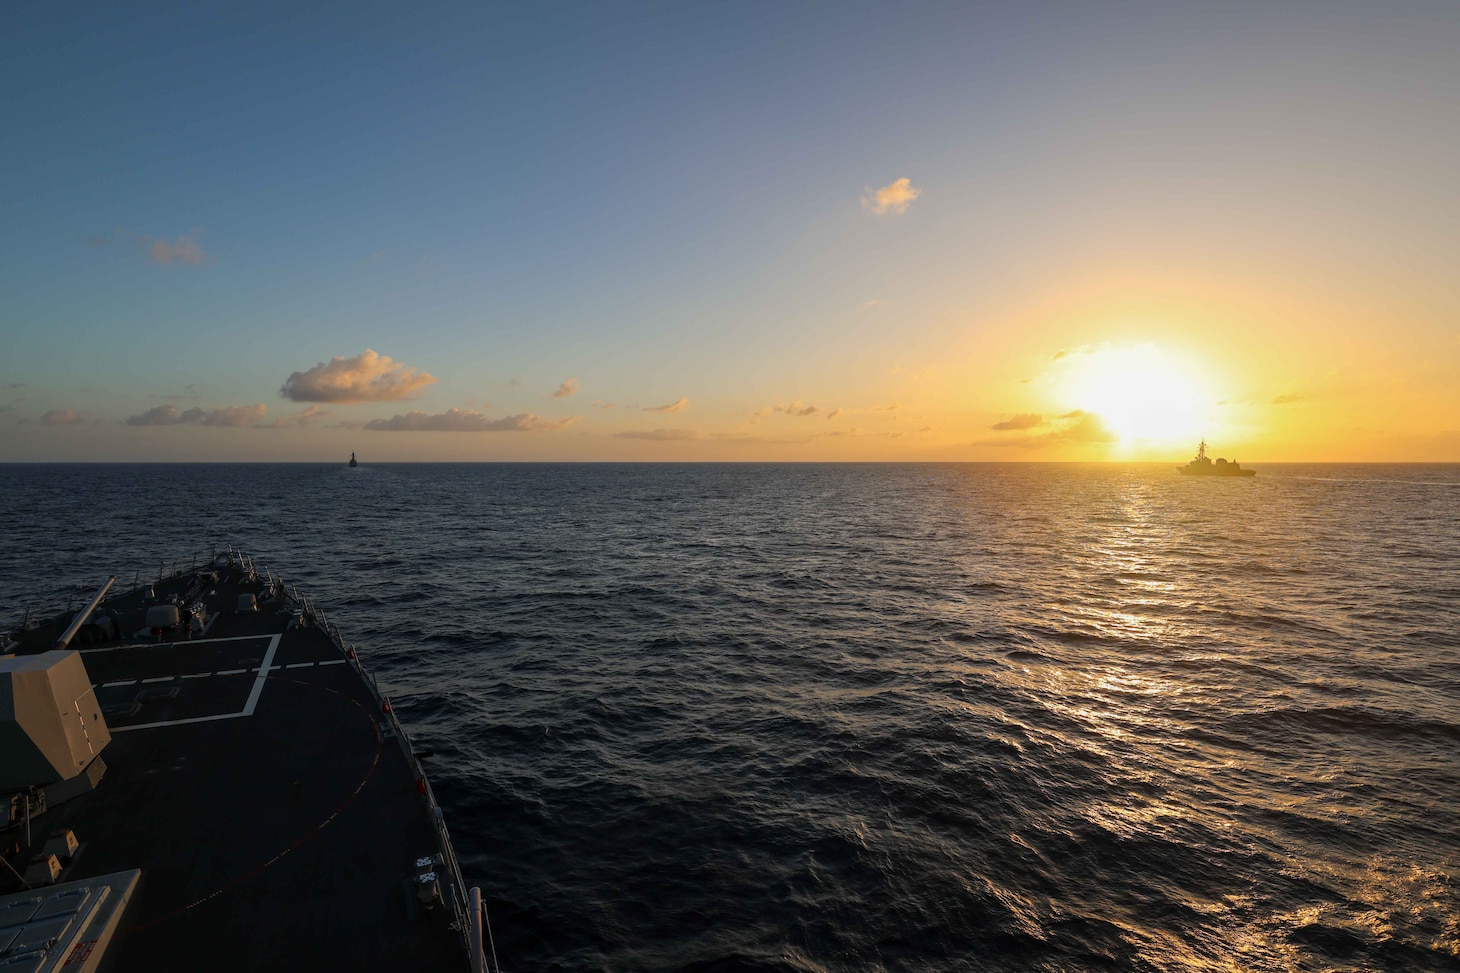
1203,466
353,464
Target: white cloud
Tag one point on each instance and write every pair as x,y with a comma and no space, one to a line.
466,420
568,389
63,417
677,406
892,199
368,377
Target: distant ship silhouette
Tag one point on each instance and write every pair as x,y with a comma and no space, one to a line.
1203,466
353,464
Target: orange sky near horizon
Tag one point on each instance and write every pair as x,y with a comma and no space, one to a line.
970,234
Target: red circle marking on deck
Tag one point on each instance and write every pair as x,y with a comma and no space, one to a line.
234,883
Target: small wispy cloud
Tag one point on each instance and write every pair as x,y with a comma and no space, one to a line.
184,250
659,435
234,416
568,389
466,420
797,408
1078,428
63,417
892,199
1024,420
677,406
833,413
600,404
162,415
298,419
367,377
1086,427
1288,399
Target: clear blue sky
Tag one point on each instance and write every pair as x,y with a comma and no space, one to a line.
672,202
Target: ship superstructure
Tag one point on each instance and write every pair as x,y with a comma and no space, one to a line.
200,773
1202,465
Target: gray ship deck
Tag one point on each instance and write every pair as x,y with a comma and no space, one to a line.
254,779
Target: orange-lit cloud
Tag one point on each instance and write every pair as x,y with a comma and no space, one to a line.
63,417
677,406
184,250
797,408
1024,420
234,416
1085,427
368,377
567,389
659,435
466,420
1077,428
1288,399
892,199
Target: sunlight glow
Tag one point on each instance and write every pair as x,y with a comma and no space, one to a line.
1141,393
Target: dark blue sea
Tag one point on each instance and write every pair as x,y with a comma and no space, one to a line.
867,717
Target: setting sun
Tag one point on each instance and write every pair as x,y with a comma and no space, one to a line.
1142,394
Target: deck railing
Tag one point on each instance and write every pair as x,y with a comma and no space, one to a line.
469,910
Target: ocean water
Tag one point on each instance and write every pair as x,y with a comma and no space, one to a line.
864,717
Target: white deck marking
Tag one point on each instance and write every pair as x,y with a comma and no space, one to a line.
158,645
160,679
253,696
298,665
263,676
196,675
119,682
333,662
195,719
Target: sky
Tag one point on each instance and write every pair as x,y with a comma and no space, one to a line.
800,232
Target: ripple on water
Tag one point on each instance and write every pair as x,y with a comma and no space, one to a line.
817,718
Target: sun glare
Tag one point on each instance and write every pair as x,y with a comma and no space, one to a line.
1142,394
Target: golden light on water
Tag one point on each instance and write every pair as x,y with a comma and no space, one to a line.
1143,394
